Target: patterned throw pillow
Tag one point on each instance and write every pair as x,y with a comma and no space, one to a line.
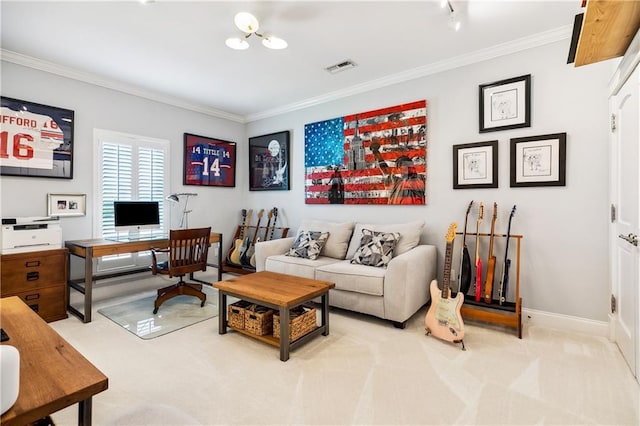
308,244
376,248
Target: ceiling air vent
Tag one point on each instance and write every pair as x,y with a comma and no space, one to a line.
342,66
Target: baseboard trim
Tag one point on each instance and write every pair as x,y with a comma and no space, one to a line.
565,322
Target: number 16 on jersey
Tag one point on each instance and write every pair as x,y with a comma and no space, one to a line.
209,161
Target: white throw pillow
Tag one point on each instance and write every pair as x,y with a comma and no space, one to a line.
339,236
410,233
376,248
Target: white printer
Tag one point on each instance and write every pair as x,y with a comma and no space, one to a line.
30,234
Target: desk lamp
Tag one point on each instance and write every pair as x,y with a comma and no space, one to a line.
175,198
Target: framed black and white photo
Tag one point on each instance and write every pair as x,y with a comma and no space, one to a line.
269,162
539,160
505,104
475,165
66,204
37,140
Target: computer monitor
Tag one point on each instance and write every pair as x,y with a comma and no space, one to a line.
136,215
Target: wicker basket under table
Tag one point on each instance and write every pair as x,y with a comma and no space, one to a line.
258,320
301,321
236,314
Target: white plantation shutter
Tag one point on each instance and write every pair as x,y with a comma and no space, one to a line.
128,167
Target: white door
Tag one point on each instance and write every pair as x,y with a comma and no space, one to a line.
625,264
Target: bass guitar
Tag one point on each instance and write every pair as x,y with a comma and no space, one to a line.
465,259
478,260
250,244
273,228
504,280
491,260
443,318
239,244
235,246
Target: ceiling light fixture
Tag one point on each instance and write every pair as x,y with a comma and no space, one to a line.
248,24
454,22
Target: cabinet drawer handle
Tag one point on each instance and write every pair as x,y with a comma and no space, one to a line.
32,264
32,296
32,276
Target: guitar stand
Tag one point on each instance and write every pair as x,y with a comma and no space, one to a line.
428,333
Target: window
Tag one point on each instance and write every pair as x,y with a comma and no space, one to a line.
128,167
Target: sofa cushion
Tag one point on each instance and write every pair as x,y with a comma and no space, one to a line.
410,233
308,244
353,277
339,235
297,266
376,248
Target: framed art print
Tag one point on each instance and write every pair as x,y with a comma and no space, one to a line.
269,162
66,204
209,161
475,165
36,140
539,160
505,104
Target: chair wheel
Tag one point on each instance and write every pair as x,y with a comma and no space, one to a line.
155,311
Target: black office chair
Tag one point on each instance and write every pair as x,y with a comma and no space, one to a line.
188,249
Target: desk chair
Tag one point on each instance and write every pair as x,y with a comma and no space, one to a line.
187,251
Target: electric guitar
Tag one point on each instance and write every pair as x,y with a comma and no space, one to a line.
478,260
504,280
252,260
465,259
239,242
235,246
250,246
273,228
491,260
443,318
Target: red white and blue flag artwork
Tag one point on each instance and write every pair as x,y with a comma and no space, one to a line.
375,157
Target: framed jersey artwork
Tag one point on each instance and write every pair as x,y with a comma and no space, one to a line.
209,161
35,140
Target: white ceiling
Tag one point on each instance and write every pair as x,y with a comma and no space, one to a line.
174,51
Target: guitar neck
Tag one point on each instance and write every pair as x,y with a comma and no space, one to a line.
446,278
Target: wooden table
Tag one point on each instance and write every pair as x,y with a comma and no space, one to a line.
53,375
94,248
276,291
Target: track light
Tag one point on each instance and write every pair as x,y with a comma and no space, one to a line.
248,24
454,22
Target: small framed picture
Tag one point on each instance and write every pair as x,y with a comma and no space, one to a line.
209,161
505,104
475,165
269,162
66,204
539,160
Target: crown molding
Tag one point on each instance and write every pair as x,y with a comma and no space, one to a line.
53,68
496,51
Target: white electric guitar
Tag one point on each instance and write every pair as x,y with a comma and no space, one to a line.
443,318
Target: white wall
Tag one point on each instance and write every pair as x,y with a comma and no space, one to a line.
564,261
98,107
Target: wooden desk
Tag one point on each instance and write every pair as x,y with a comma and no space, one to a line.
90,249
53,375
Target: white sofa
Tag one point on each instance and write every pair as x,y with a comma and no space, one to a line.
394,292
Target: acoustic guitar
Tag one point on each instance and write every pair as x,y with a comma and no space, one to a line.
491,260
443,318
504,280
234,257
478,260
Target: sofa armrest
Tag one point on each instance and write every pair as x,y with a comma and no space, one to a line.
265,249
406,283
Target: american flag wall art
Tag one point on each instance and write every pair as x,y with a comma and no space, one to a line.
375,157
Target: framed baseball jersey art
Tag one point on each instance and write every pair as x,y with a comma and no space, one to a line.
209,161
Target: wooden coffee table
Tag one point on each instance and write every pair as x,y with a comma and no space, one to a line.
276,291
